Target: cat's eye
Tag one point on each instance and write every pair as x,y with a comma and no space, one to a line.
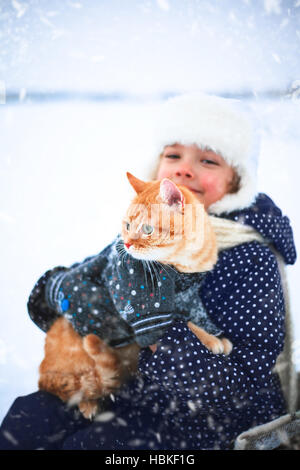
127,226
147,229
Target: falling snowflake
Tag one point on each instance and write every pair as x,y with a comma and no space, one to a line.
19,7
163,4
104,417
272,6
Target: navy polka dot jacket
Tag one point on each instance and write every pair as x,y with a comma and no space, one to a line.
186,397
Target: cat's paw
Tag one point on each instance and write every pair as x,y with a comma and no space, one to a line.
89,408
227,344
215,345
219,346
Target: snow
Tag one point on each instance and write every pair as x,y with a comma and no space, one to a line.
63,192
272,6
19,8
144,46
163,4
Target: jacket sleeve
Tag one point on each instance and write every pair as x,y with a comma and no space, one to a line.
248,306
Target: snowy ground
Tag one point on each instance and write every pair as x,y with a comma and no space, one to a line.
63,190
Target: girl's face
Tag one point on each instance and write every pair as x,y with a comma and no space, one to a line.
204,172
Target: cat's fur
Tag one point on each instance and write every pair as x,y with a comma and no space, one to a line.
82,370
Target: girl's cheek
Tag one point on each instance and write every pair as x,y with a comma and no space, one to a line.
214,189
162,173
209,182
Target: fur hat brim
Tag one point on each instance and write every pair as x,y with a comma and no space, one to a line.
225,126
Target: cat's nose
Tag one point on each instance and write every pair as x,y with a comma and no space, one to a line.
128,245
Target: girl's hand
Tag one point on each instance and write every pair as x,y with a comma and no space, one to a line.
153,347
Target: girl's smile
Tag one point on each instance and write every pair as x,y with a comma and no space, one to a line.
204,172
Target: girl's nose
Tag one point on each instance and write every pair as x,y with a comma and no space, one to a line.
186,172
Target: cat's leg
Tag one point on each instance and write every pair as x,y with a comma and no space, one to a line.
68,371
211,342
113,366
65,361
81,370
107,363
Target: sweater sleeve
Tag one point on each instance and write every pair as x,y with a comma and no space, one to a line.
43,307
248,306
79,293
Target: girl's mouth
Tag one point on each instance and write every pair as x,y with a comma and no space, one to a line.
197,191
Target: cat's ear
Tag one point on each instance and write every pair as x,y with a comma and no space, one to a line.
171,194
138,185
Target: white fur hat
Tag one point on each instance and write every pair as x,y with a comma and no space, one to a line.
225,126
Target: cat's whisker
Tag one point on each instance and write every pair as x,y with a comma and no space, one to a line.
152,275
122,253
120,249
145,273
157,277
149,268
123,259
164,267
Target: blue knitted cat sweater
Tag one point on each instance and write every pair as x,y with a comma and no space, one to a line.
121,300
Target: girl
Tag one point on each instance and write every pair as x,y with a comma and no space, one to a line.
185,397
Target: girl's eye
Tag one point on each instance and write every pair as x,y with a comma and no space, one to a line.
127,226
172,156
209,162
147,229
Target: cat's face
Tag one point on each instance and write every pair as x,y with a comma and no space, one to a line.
155,220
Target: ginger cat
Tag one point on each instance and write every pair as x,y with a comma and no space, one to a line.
164,223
